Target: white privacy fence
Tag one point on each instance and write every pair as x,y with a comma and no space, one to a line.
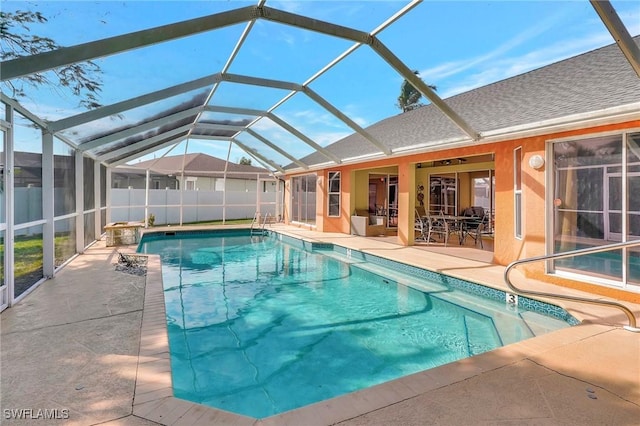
169,205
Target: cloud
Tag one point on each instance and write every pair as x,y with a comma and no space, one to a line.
327,10
288,6
460,76
327,138
456,67
631,21
321,127
506,67
325,128
286,37
353,112
47,111
309,117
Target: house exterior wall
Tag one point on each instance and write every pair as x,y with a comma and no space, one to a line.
507,248
205,183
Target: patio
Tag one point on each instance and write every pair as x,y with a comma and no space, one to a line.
100,352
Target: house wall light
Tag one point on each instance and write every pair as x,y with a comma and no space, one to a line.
536,161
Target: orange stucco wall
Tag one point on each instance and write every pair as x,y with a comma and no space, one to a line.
507,248
534,208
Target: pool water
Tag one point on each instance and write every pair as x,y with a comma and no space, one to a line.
605,264
257,326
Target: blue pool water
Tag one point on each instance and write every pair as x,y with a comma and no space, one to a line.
606,264
258,326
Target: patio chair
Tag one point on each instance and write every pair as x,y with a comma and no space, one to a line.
420,227
437,225
473,211
475,229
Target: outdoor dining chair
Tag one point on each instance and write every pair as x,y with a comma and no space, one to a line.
437,225
420,227
474,228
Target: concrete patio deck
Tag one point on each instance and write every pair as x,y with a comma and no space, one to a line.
91,344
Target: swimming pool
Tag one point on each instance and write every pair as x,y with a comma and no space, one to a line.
259,326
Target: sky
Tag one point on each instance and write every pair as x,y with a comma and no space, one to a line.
455,45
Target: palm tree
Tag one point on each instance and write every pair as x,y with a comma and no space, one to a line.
410,96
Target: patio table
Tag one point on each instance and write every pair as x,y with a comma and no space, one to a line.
458,225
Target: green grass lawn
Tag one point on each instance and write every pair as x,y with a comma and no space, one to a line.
28,252
27,257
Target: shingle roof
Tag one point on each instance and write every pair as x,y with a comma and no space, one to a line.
586,83
199,164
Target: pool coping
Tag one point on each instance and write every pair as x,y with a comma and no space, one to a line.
154,399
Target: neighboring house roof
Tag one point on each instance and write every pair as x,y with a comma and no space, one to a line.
587,83
199,164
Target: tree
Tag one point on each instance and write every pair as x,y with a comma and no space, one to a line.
410,96
245,161
81,79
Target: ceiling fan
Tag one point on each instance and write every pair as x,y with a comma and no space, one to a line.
451,160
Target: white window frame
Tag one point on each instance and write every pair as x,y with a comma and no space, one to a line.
517,193
190,183
331,195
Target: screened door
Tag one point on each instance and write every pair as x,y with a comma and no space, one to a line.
589,205
613,212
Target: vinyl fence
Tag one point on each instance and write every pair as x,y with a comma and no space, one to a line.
196,206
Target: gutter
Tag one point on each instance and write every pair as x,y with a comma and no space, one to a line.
618,114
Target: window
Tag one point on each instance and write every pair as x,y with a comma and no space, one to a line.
303,199
517,191
334,194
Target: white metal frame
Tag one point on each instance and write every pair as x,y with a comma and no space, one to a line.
5,298
87,51
330,193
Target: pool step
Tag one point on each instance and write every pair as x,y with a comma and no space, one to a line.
511,325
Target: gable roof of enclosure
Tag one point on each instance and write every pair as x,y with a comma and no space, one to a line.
199,164
133,126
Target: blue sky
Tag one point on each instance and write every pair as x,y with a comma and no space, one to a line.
455,45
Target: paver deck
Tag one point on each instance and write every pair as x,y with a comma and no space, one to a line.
91,343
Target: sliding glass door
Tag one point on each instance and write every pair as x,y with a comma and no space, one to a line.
303,199
596,201
443,195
